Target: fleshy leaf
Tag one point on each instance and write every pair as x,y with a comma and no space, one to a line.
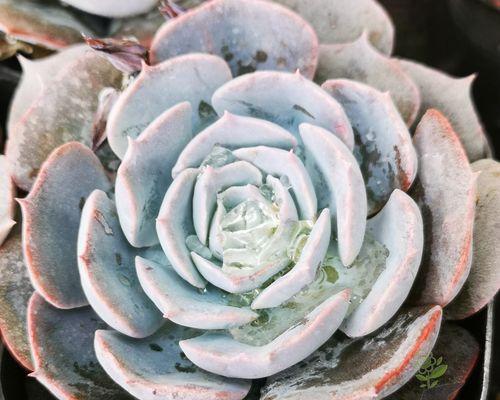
192,77
446,193
51,217
36,75
15,292
184,304
227,28
237,280
452,97
484,278
46,25
343,21
361,62
343,184
7,205
282,197
304,271
63,112
213,180
113,8
144,175
288,165
399,227
368,368
64,358
293,100
175,223
107,270
446,369
232,131
155,368
383,143
221,354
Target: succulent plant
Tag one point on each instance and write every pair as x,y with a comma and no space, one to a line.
250,204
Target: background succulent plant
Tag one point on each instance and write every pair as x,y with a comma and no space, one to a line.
211,166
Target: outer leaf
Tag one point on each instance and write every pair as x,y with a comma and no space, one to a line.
7,205
64,358
145,173
51,217
343,21
459,351
220,354
227,28
370,368
293,100
62,113
446,194
107,270
154,368
452,97
15,292
40,24
399,227
361,62
383,144
484,278
113,8
38,74
192,77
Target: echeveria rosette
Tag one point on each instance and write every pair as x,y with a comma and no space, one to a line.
253,212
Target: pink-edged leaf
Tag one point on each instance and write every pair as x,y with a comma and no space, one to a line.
227,28
7,205
51,218
367,368
446,193
40,24
361,62
155,368
106,263
458,351
293,100
15,292
399,227
383,145
63,112
191,77
343,21
145,173
484,278
452,97
63,353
